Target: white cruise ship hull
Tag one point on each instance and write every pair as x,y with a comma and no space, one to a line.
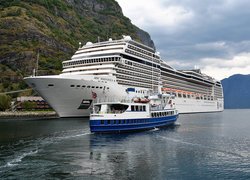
67,100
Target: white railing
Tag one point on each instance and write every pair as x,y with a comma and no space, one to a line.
113,100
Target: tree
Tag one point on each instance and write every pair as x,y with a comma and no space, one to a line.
29,105
5,102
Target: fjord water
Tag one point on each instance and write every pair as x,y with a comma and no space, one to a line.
200,146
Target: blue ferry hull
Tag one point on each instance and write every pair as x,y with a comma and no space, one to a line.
125,125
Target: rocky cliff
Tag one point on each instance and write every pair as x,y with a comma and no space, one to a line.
54,28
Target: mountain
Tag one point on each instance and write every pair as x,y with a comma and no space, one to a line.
236,90
54,28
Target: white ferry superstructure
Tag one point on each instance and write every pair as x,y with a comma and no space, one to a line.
115,67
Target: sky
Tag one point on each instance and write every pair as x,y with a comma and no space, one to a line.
213,35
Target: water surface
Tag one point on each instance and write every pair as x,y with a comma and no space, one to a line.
200,146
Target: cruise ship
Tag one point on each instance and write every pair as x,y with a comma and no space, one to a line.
118,68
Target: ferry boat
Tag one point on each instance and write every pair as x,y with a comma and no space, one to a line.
115,68
132,115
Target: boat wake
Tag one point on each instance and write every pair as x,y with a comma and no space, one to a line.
201,146
32,147
19,158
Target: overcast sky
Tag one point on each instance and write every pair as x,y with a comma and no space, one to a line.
211,34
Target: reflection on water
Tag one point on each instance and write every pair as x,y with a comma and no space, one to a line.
207,146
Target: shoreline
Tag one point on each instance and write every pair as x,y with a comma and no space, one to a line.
9,114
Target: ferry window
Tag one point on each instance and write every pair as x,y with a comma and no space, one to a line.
132,108
123,121
179,95
83,86
102,122
78,86
136,108
144,108
127,121
107,87
114,121
72,85
93,87
108,121
50,84
119,122
88,86
188,95
184,95
97,87
101,87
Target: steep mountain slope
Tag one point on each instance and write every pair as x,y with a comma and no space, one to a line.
237,91
54,28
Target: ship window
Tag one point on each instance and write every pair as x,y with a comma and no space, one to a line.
114,121
179,95
83,86
132,108
123,121
136,108
93,87
108,121
101,87
144,108
88,86
78,86
119,122
72,85
184,95
97,87
102,122
50,84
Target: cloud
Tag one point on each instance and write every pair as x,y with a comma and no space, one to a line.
222,68
193,32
